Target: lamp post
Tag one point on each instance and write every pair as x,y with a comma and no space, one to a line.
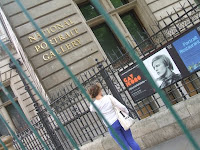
41,115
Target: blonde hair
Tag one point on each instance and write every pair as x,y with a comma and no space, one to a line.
166,61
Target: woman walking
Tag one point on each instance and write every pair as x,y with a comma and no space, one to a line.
106,106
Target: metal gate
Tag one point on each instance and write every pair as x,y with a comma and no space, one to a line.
72,109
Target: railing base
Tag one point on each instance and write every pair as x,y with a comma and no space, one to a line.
8,141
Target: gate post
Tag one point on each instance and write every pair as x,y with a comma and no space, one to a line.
41,115
112,87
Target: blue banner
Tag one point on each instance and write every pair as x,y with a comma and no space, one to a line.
188,48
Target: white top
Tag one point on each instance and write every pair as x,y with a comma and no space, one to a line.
105,105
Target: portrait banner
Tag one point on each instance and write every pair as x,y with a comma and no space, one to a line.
163,68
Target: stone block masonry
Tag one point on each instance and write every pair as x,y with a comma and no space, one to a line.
65,28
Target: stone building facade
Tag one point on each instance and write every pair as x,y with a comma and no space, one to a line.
13,83
80,35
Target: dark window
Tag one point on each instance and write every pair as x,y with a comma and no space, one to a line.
88,10
108,42
3,129
3,97
118,3
16,118
136,30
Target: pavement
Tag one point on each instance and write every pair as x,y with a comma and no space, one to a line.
179,143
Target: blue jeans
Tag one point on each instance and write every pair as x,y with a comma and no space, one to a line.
125,137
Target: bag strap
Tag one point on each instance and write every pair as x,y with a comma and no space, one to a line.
112,102
116,108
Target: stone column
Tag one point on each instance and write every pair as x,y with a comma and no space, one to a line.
8,141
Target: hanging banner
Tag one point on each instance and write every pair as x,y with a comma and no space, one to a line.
179,59
188,48
136,83
163,68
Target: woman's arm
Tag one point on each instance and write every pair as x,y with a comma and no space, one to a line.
119,105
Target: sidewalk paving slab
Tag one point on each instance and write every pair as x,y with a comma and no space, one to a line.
178,143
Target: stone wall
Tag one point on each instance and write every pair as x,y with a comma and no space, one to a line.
64,26
157,128
163,8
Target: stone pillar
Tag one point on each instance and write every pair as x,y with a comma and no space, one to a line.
8,141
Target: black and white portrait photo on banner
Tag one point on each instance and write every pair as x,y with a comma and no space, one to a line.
162,68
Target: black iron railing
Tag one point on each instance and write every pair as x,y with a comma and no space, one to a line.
72,108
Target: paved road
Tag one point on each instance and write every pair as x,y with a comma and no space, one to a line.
178,143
